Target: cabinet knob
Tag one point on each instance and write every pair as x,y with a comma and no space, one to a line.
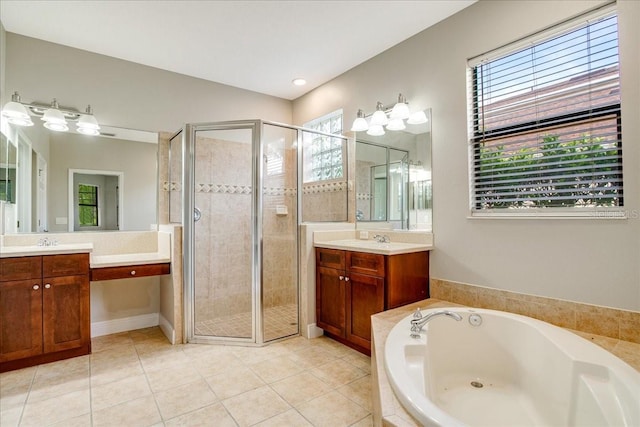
36,287
346,279
341,277
47,286
133,272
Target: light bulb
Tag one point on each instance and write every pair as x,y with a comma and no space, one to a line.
417,118
375,130
16,113
58,127
401,109
379,118
53,115
396,124
360,123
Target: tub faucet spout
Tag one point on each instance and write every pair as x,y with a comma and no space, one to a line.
418,324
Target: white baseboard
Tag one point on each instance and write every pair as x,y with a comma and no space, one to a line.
167,329
124,324
313,331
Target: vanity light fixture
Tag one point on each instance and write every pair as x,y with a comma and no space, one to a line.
55,118
389,118
16,113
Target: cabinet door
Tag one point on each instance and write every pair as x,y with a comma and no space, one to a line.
20,319
330,300
365,297
66,321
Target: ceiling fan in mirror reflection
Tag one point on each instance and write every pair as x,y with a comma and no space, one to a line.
55,118
387,117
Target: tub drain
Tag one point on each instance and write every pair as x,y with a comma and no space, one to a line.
477,384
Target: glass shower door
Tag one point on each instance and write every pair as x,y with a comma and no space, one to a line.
223,242
279,232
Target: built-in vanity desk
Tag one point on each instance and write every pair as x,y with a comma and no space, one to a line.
45,297
127,266
356,278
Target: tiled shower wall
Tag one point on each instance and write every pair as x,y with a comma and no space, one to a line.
363,188
223,235
279,229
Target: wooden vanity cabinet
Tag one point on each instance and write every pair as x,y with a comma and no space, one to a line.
44,309
352,286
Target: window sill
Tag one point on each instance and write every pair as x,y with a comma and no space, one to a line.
575,213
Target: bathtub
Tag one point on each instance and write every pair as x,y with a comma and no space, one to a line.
507,370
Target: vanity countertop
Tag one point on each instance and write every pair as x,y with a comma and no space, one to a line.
372,246
19,251
101,261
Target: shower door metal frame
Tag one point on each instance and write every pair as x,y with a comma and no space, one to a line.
188,199
188,238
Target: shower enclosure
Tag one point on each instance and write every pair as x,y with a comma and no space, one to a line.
240,207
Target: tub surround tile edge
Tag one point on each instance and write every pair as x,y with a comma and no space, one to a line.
591,319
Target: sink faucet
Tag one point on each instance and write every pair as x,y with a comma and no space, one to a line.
418,322
382,239
45,241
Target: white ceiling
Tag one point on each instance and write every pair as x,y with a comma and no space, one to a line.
255,45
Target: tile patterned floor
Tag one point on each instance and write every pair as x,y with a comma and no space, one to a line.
279,321
138,379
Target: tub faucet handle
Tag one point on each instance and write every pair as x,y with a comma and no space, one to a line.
417,314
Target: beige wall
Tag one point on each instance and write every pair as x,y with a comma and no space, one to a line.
585,260
126,94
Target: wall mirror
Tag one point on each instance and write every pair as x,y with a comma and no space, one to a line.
393,177
64,181
8,166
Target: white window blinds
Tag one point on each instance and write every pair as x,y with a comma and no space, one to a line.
545,121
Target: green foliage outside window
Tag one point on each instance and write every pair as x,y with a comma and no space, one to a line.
88,205
580,173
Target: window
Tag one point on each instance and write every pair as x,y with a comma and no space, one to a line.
545,123
323,155
88,205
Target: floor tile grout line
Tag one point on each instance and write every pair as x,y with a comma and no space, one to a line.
90,394
144,371
26,400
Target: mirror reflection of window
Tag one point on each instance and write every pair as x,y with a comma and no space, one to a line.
88,205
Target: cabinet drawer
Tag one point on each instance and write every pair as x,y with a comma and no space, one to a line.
130,271
330,258
65,265
20,268
365,263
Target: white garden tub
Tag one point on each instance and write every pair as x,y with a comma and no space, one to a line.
510,370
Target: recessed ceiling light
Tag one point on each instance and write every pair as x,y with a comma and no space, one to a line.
299,82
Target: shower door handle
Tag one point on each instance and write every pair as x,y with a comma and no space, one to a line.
196,214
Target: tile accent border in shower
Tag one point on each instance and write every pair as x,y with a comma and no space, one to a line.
325,187
171,186
330,187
